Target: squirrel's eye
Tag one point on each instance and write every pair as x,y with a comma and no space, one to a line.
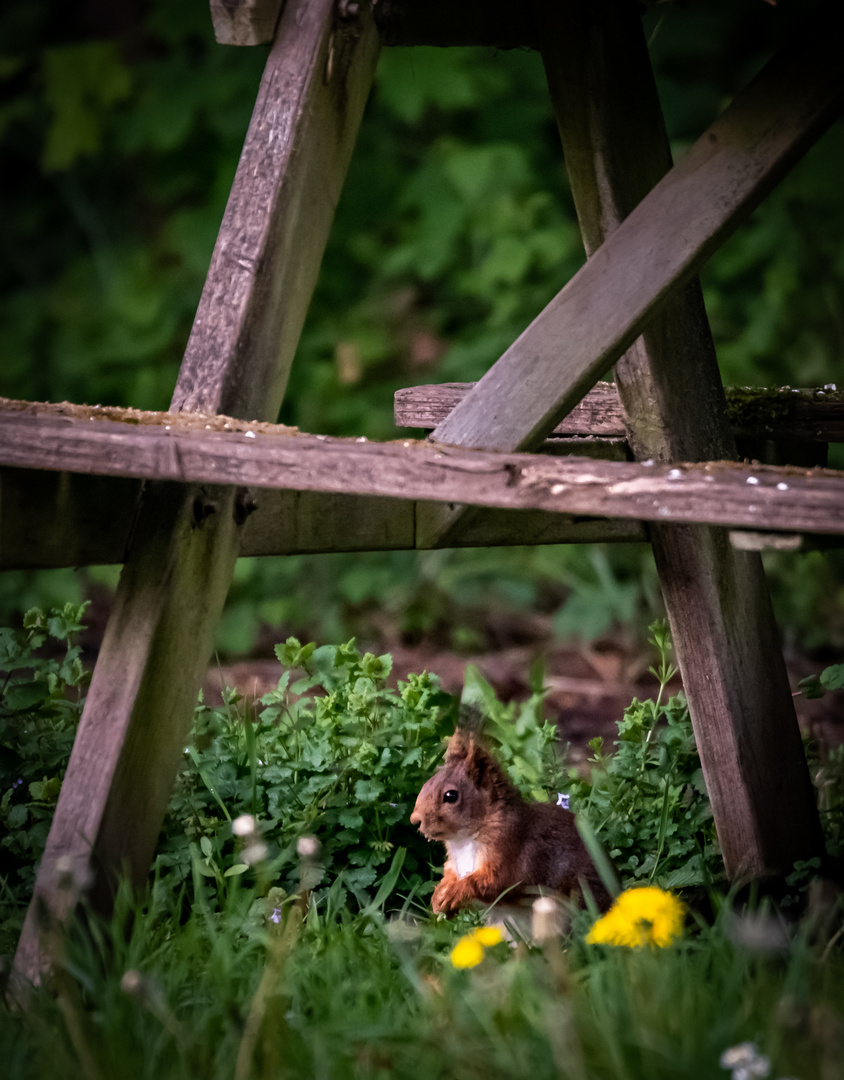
451,795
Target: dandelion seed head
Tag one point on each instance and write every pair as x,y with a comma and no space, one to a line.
245,825
254,853
133,983
741,1056
307,847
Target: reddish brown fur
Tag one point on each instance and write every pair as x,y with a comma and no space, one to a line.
522,846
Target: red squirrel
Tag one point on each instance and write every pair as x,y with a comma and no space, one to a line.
497,842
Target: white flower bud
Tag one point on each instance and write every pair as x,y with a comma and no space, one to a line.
245,825
254,853
307,847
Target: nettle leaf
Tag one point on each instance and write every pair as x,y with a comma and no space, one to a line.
17,816
47,790
367,791
811,687
832,678
21,697
377,667
350,818
360,877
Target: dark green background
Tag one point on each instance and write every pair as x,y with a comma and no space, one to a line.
120,129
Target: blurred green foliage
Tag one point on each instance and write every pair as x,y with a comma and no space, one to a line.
120,129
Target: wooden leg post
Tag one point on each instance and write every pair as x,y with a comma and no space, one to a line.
182,554
616,150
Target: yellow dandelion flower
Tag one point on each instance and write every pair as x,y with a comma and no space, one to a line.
469,950
640,916
467,953
488,936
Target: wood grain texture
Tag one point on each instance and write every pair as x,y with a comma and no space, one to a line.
245,22
658,248
181,555
723,493
58,519
725,637
133,728
599,413
755,412
279,213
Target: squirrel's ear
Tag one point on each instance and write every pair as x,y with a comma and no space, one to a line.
459,746
477,762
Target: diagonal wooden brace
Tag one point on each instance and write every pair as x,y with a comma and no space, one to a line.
734,675
657,249
179,564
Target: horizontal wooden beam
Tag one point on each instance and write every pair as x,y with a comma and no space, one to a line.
755,412
60,519
265,456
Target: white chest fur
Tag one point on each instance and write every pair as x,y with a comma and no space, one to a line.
464,856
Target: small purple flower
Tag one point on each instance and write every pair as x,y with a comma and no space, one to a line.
17,783
276,915
563,800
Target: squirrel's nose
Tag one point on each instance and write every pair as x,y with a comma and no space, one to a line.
415,818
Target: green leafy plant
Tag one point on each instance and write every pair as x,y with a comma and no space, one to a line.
41,694
647,801
815,686
332,752
335,753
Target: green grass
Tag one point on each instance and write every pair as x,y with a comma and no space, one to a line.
367,996
205,984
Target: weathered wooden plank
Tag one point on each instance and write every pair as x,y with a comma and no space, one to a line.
808,415
314,522
724,493
181,556
245,22
56,519
725,637
279,214
659,246
427,406
59,519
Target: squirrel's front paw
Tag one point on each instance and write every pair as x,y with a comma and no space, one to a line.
448,897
